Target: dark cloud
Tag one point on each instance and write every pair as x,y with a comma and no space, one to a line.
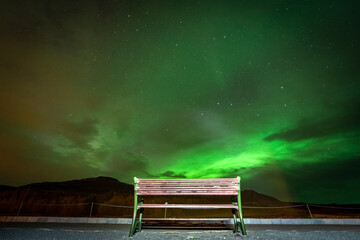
307,129
178,132
232,173
47,23
126,165
79,133
27,157
268,179
171,174
326,181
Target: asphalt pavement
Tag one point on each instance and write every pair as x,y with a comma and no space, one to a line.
54,231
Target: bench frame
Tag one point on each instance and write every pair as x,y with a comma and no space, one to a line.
162,183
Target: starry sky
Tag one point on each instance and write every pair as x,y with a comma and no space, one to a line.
267,90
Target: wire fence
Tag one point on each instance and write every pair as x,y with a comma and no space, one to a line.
87,209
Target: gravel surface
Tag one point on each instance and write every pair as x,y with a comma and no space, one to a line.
7,233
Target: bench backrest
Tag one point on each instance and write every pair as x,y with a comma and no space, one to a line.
215,186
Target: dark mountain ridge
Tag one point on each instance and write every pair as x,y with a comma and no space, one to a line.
6,188
104,185
87,185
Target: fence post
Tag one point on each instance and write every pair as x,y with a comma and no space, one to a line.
91,209
22,202
307,205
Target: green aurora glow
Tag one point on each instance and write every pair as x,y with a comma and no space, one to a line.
193,89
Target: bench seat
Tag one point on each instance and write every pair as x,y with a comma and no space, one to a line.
190,206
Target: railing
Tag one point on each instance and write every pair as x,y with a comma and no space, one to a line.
34,209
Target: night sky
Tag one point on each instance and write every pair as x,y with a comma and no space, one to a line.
267,90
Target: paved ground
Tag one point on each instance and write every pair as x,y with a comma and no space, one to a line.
20,231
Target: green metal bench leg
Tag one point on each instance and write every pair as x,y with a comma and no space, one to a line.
134,222
235,221
140,218
242,226
241,223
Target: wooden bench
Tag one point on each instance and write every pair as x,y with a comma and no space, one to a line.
193,187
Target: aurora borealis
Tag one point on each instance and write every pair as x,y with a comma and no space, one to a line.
267,90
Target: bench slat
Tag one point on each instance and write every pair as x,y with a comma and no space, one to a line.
186,190
190,206
190,187
187,193
184,181
161,187
188,180
187,184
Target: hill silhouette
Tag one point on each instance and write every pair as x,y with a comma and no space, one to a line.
87,185
111,198
6,188
102,185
